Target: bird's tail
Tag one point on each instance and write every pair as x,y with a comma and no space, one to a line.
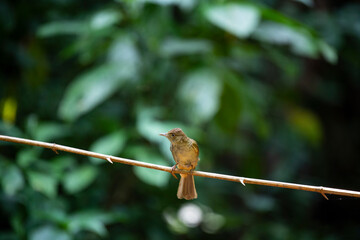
187,188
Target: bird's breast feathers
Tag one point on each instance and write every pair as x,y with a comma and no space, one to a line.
186,155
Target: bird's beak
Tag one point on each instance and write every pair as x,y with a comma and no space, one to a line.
163,134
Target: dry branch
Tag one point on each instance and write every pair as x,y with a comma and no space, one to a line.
242,180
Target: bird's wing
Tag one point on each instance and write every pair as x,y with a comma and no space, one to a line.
172,152
195,147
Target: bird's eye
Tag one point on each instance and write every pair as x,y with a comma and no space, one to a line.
173,135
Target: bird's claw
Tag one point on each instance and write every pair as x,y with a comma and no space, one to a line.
172,171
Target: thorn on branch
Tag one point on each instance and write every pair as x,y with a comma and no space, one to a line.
323,193
242,181
109,160
54,148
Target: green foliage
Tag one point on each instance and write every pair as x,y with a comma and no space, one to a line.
111,144
43,183
268,89
12,180
79,179
238,19
149,176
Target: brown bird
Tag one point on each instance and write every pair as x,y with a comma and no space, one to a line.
185,152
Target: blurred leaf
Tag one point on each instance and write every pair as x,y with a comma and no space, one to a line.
328,52
12,180
287,64
300,40
161,2
213,222
62,27
260,203
17,224
308,3
49,232
88,224
10,130
43,183
50,131
238,19
175,46
60,164
93,221
200,92
306,124
105,18
80,178
278,17
110,144
89,90
123,52
185,4
92,88
45,131
27,156
150,176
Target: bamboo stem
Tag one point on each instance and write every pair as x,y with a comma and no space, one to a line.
243,180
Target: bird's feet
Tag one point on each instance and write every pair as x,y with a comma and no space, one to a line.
172,171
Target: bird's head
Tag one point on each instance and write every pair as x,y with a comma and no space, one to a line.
175,135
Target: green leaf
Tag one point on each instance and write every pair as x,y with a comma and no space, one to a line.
328,52
50,131
10,130
300,40
238,19
278,17
43,183
17,224
111,144
89,90
93,221
104,19
27,156
80,178
260,203
49,232
60,163
94,87
308,3
184,4
12,180
176,46
200,92
124,53
150,176
62,27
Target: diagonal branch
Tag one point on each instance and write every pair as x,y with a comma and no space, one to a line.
242,180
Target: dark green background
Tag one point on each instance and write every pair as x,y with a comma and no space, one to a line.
269,89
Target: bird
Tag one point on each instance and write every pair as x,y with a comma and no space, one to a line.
185,152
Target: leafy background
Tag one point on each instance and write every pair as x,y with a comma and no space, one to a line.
269,89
